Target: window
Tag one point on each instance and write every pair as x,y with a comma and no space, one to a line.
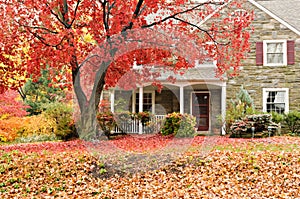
276,100
148,102
275,53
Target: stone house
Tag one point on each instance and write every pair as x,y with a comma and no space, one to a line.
271,74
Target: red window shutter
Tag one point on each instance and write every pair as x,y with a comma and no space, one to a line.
291,52
259,53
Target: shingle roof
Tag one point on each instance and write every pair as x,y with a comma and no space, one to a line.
287,10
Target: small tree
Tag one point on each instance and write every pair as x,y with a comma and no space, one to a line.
38,93
237,109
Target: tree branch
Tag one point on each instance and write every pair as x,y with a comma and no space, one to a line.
105,18
56,15
39,27
179,13
41,39
21,93
135,15
201,29
62,20
75,12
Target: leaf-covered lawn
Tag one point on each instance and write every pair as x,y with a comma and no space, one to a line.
138,167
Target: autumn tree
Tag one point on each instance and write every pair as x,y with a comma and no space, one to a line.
99,40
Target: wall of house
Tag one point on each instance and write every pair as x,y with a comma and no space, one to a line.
123,101
167,102
254,78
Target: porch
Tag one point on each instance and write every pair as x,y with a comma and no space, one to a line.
204,100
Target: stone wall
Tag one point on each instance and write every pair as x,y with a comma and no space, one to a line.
254,78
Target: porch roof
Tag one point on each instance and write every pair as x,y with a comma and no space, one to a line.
198,73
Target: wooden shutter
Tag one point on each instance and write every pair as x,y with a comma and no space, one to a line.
290,52
259,53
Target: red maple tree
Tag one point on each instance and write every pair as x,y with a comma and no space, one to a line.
99,40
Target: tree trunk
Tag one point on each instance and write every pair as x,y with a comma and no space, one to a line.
87,125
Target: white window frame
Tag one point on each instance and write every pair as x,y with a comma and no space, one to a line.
134,101
286,97
284,51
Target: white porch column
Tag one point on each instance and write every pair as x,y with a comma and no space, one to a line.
223,106
141,97
181,103
133,101
112,101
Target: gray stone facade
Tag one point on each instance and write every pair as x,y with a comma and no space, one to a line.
254,78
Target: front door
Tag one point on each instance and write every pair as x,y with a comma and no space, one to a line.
200,109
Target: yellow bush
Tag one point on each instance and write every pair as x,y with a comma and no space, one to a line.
9,128
13,127
37,125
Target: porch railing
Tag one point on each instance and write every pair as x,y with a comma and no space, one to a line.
135,125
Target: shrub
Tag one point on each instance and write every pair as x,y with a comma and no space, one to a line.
292,120
62,115
181,125
187,126
277,117
144,117
38,93
262,123
9,128
106,122
11,106
237,109
18,128
37,125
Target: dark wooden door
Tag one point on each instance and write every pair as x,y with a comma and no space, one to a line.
200,109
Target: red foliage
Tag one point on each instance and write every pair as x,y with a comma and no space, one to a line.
9,104
55,34
145,143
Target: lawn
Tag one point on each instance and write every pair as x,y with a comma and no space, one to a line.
152,167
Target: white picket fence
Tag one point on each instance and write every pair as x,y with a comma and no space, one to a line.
135,126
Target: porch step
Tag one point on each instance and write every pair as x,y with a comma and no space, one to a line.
206,133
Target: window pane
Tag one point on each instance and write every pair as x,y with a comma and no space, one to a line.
276,101
275,53
147,102
275,58
279,97
274,47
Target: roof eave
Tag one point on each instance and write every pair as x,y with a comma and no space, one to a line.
275,17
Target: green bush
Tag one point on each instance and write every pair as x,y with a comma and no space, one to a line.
237,109
180,125
37,94
292,121
277,117
62,115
